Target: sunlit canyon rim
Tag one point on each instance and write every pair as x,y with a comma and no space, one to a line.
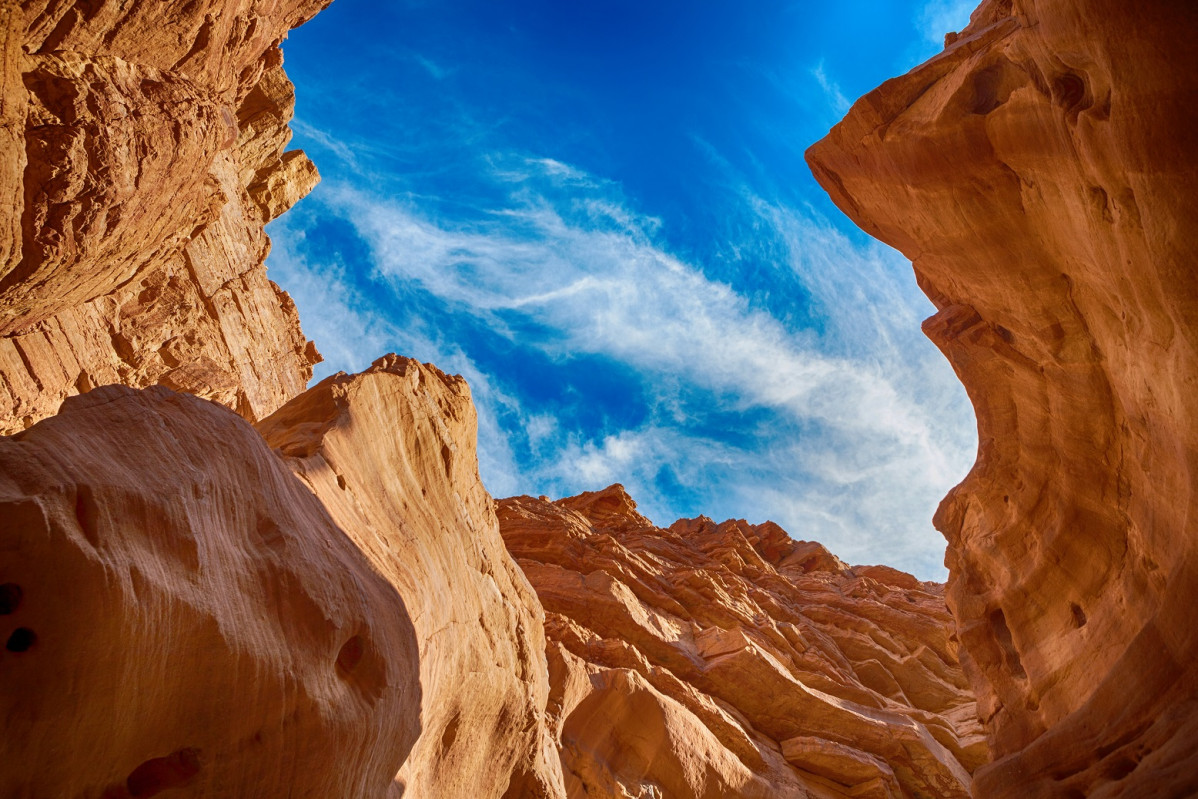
218,582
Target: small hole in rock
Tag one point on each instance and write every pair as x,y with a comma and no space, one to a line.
341,482
1079,615
21,640
1120,766
350,654
1069,90
450,734
10,598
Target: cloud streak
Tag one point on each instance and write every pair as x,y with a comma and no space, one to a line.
851,428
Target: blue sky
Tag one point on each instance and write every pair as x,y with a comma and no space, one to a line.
599,214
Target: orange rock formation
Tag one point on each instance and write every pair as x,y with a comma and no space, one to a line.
141,151
728,660
391,453
1041,175
180,612
186,611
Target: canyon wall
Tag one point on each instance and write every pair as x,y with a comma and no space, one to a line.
729,660
324,604
142,148
391,454
1040,173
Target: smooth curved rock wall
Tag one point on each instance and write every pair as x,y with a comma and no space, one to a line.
182,616
1041,173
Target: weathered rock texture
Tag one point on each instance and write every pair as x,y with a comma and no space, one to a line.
1041,173
391,454
728,660
179,611
187,612
141,152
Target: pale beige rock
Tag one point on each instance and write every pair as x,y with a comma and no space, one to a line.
729,660
391,453
1041,174
181,613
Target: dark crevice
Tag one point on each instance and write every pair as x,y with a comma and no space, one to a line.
10,598
176,770
21,640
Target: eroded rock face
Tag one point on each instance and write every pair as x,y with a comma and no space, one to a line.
141,152
391,453
180,611
1041,175
729,660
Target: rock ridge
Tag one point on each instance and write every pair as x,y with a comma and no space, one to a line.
727,659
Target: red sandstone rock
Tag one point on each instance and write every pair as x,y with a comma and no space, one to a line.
729,660
1041,175
142,150
180,611
184,615
391,453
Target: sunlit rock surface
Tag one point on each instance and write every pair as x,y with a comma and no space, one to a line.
1041,174
392,455
182,616
728,660
141,152
187,612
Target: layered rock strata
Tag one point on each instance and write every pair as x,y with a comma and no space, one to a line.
1041,174
142,148
729,660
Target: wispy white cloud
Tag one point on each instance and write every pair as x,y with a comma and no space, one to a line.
868,427
938,17
831,89
338,148
432,67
